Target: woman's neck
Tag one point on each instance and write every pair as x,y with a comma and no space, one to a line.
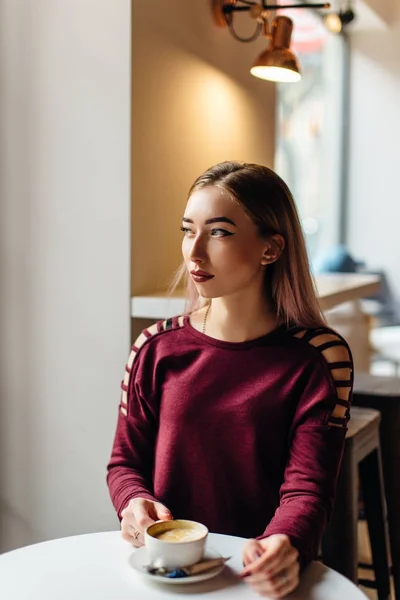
237,319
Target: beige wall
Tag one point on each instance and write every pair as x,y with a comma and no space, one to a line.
194,104
385,9
374,191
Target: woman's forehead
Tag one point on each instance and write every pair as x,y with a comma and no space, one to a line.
208,201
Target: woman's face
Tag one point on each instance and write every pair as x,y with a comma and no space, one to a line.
222,248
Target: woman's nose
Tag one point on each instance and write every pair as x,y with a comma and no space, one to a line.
198,251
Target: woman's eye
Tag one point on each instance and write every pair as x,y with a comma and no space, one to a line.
217,232
186,230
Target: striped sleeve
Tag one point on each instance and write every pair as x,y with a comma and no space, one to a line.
316,445
129,471
337,357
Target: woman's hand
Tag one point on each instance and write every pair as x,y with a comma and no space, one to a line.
138,515
271,566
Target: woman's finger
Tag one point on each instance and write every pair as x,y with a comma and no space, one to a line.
287,574
260,564
137,542
278,564
280,586
266,590
252,550
288,565
161,512
131,537
142,518
286,580
132,534
257,578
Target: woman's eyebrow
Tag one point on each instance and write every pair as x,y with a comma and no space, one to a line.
213,220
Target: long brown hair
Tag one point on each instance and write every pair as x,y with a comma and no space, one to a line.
267,200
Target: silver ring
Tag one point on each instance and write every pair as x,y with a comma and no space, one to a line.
284,578
136,534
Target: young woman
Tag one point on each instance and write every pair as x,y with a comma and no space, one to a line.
235,414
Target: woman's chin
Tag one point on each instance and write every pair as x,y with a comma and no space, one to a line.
205,291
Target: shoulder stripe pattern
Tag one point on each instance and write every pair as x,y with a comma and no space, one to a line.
337,355
159,327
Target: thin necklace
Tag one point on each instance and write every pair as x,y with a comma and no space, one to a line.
205,318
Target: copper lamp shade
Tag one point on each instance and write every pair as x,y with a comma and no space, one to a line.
278,63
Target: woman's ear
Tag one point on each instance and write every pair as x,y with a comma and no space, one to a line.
274,249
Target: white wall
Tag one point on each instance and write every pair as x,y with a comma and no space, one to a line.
64,260
374,191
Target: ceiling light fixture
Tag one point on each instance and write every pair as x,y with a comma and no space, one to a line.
336,22
277,63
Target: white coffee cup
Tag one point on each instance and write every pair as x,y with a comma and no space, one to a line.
176,543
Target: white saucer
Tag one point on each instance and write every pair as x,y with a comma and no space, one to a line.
139,559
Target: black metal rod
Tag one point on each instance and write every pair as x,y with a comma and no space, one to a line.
304,5
233,8
230,9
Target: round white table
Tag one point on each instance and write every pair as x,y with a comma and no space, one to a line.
97,566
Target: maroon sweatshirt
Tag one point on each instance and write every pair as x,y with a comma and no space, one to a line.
245,437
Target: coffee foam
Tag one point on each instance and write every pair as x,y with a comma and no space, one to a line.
179,535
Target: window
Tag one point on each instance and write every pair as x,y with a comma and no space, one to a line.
309,144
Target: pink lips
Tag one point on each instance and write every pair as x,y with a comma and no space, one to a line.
201,276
